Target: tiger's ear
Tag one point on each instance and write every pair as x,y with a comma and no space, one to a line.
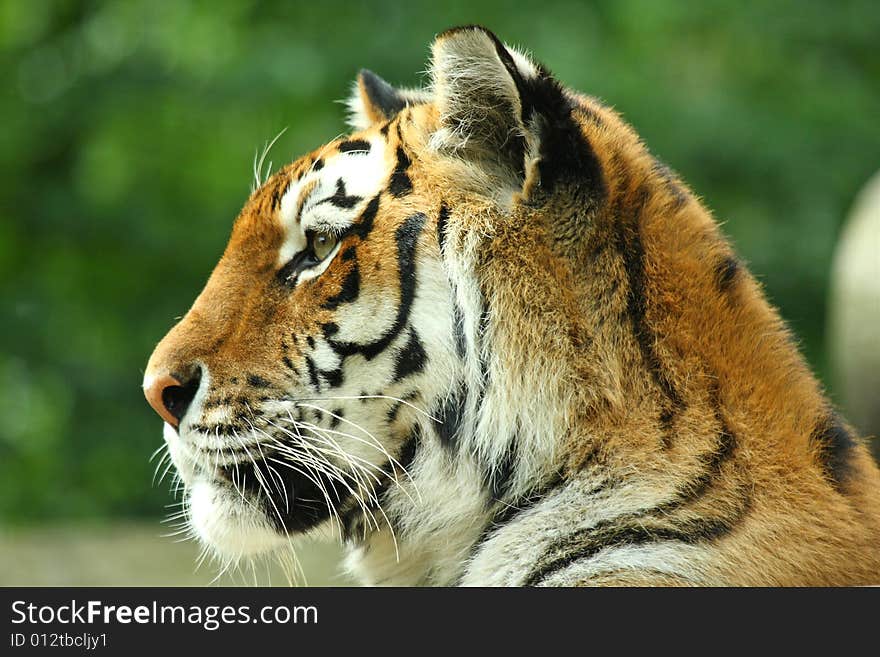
373,100
482,90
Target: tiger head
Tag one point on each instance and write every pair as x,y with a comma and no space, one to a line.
380,352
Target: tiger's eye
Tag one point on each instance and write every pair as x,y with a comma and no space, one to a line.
323,244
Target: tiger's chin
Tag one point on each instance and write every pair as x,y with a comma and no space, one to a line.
233,526
230,524
242,510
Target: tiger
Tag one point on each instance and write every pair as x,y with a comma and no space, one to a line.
486,338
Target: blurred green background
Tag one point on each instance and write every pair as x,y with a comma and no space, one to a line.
129,129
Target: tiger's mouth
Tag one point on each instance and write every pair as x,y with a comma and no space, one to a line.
293,499
245,495
252,482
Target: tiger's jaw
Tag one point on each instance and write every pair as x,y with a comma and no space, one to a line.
221,517
250,476
228,524
250,504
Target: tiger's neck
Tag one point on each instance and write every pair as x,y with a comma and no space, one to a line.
428,525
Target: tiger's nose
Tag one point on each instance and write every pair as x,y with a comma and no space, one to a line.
171,395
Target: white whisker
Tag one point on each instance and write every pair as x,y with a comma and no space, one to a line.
261,176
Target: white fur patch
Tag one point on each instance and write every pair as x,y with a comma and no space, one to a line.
359,119
229,524
523,64
362,173
356,117
667,558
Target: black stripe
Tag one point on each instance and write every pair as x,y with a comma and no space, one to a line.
313,374
566,156
278,193
629,243
483,338
392,413
499,475
357,145
711,463
442,221
670,182
726,272
400,183
348,291
483,331
410,447
411,359
334,378
526,101
340,198
221,429
407,236
352,521
457,314
617,536
837,447
257,381
364,224
450,417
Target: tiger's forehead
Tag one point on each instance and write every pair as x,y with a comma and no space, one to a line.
330,193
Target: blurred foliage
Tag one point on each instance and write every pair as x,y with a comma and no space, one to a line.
129,130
